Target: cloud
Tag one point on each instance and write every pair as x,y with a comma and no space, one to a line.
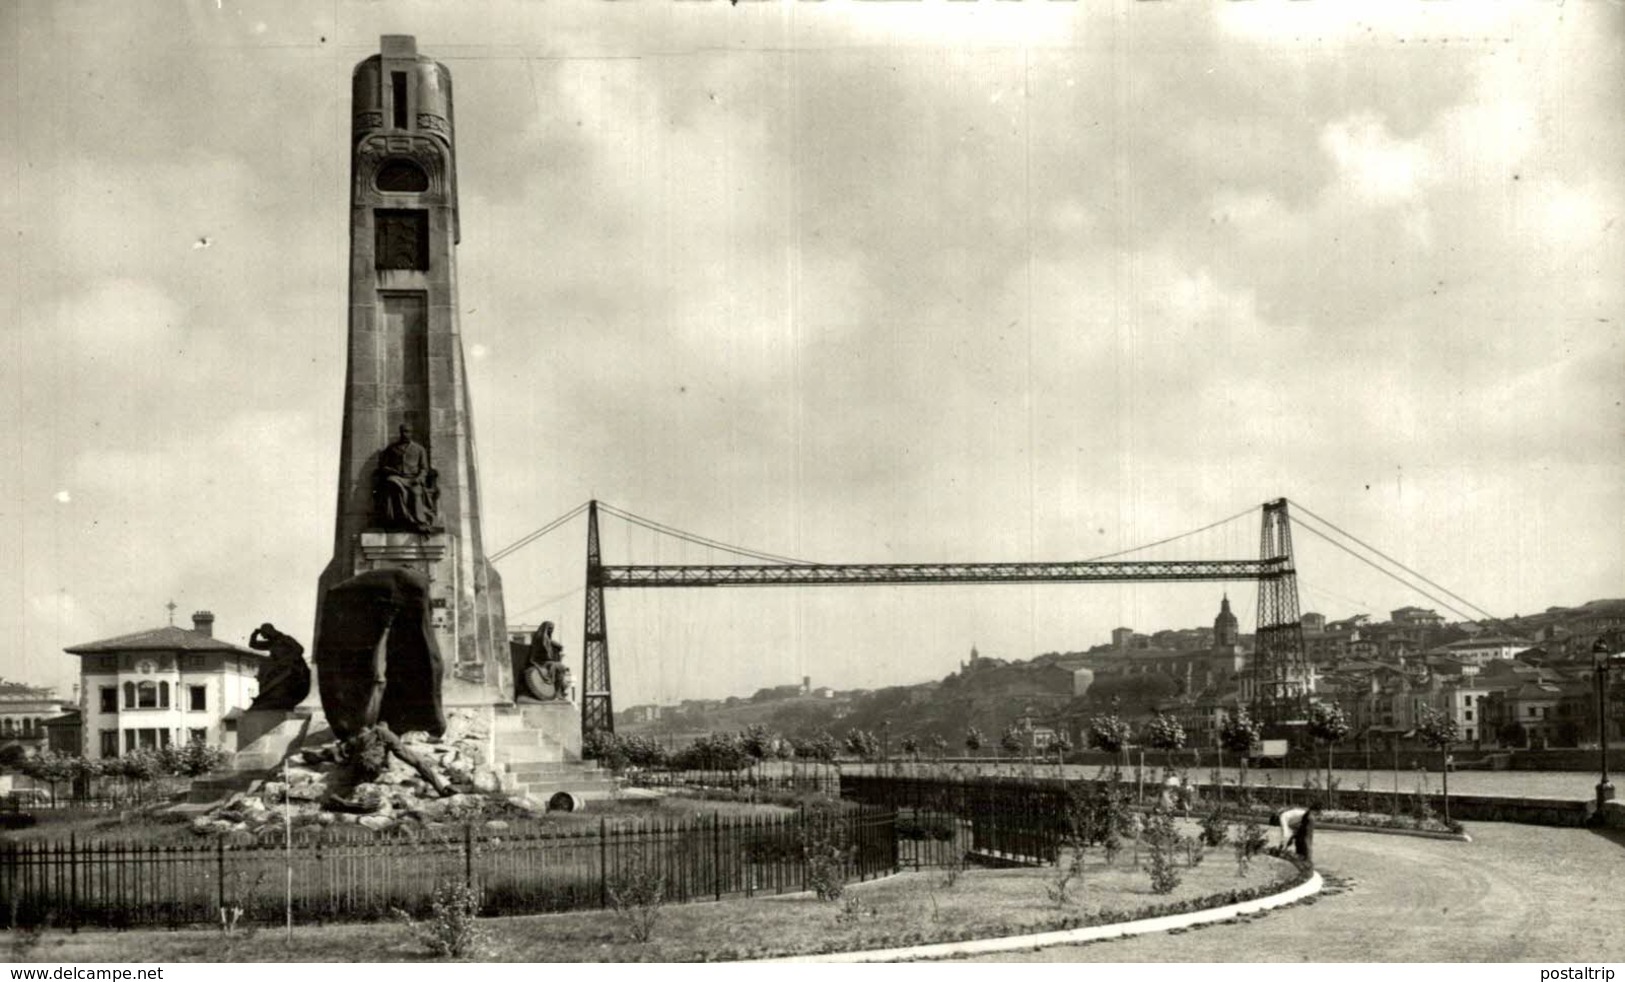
1372,165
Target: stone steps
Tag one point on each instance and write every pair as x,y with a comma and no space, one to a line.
555,771
541,791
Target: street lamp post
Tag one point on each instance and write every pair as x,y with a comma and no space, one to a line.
1600,658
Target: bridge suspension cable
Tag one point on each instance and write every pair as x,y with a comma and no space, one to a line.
1249,510
1389,573
1366,545
526,540
700,540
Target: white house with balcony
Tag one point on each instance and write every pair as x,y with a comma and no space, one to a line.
164,686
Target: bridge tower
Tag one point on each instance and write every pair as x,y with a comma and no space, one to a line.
597,708
1279,674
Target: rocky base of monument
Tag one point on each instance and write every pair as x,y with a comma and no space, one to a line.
366,783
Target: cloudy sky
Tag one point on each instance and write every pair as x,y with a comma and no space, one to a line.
852,282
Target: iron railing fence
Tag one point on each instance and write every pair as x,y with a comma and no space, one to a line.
345,876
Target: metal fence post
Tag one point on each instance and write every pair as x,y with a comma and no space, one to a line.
220,870
73,878
603,862
716,852
468,855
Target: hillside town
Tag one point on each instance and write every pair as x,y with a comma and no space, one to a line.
1523,683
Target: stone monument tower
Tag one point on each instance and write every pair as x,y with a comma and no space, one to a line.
408,492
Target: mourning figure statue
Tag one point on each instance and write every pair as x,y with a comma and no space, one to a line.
545,677
285,679
406,495
377,661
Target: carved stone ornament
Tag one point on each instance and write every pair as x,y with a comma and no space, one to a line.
430,123
364,121
370,154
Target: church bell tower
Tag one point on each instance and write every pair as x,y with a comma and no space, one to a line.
408,493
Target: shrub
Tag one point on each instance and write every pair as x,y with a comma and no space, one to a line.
713,752
1099,815
826,848
637,895
1164,841
604,747
854,910
1214,830
1250,841
452,930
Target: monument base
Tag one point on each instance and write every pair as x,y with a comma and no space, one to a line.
259,740
538,752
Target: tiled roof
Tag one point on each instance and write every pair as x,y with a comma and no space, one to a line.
168,638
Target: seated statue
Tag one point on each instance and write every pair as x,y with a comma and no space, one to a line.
545,677
377,660
406,495
285,679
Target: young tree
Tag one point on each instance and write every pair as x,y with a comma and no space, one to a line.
1062,745
1239,733
911,746
1438,730
1011,741
939,745
1110,734
759,741
862,744
1163,732
1329,725
822,748
973,740
50,767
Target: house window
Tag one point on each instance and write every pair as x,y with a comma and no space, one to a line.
163,695
192,663
109,698
109,743
146,695
129,695
197,698
1531,710
5,726
1469,716
147,738
163,737
129,741
197,735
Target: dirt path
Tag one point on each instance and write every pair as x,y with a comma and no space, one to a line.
1516,893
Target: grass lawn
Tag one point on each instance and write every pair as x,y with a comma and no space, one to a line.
909,908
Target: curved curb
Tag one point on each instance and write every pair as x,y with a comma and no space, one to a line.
1100,932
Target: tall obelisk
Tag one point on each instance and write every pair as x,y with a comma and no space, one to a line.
408,484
